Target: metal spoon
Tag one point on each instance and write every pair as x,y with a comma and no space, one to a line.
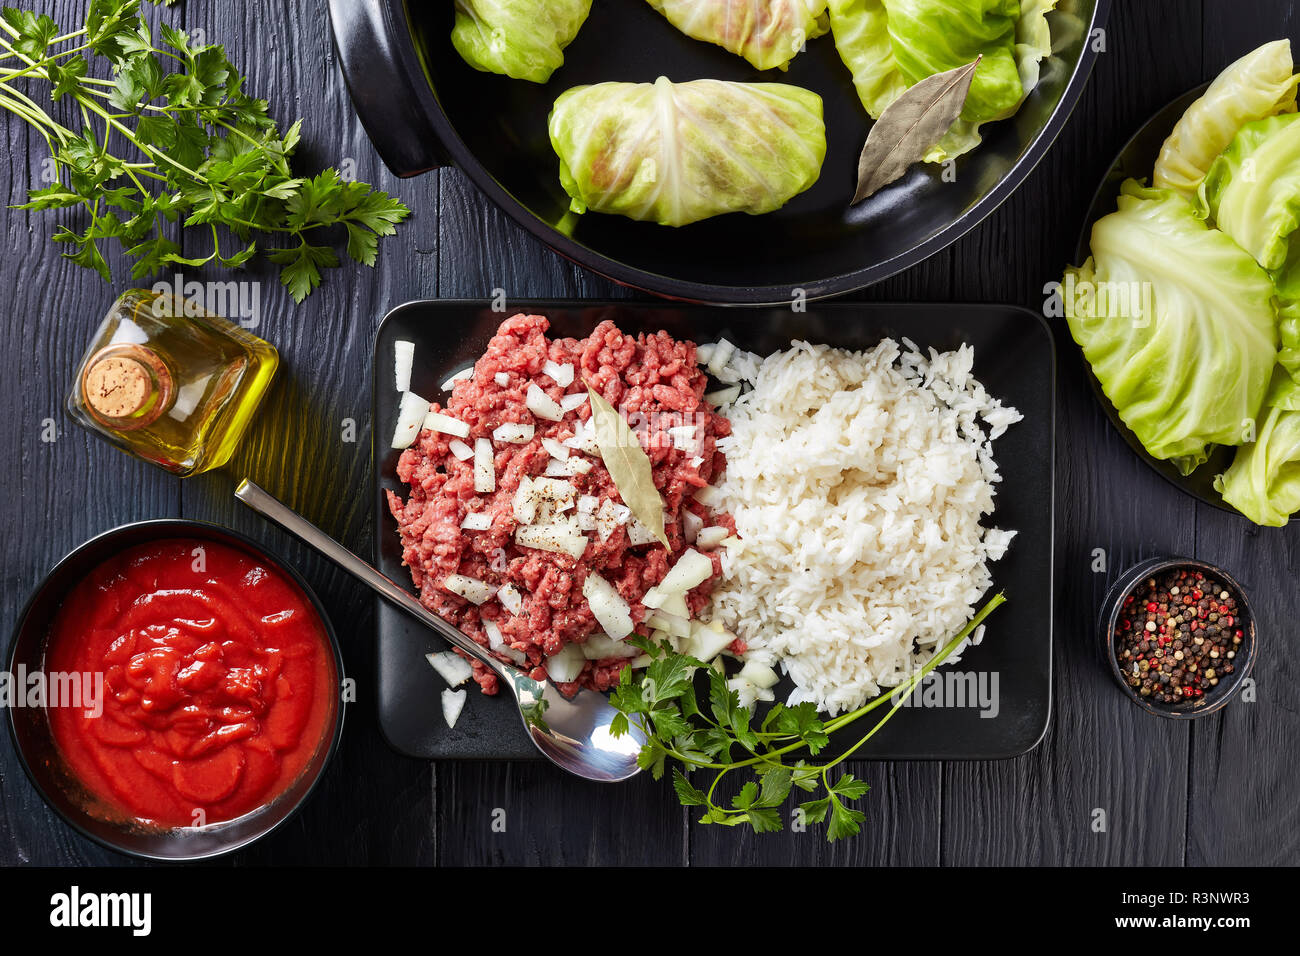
573,733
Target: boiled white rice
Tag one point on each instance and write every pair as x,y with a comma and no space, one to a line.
857,482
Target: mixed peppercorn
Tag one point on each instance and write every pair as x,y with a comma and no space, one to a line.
1177,636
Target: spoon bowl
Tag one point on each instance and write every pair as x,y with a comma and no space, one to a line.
573,732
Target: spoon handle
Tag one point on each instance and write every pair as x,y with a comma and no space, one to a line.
275,510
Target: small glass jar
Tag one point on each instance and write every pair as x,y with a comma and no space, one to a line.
170,382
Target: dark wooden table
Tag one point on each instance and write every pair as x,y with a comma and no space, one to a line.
1217,791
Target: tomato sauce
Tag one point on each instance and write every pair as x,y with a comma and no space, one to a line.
219,683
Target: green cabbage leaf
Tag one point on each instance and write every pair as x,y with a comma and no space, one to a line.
1263,482
1178,323
1259,85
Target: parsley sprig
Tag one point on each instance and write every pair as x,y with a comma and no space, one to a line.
718,735
201,151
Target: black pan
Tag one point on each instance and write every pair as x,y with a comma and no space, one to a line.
424,107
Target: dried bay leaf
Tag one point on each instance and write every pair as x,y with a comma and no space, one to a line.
910,125
628,465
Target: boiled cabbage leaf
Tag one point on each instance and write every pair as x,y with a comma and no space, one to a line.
523,39
675,153
1259,85
1252,193
1178,323
767,33
1263,482
889,45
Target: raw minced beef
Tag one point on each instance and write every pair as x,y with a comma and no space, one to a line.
653,380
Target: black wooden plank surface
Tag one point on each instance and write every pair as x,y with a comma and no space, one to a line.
1219,791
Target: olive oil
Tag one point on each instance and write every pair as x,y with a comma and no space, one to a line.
171,383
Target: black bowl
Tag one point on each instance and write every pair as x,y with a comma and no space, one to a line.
1228,687
32,737
423,106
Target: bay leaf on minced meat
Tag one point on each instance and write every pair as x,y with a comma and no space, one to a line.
628,465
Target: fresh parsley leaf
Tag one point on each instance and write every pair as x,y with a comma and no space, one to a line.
687,794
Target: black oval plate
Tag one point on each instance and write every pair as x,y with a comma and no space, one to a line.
1136,161
1015,359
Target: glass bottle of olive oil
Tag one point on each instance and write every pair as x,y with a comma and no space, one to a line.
171,383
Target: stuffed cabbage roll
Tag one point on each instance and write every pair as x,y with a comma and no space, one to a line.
523,39
767,33
675,153
890,45
1257,86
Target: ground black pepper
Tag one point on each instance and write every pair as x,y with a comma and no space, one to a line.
1176,637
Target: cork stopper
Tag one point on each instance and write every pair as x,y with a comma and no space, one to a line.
126,386
118,387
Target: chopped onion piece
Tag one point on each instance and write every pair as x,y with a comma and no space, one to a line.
720,355
759,674
493,632
723,396
727,375
609,516
584,438
561,375
471,589
587,505
683,437
476,521
572,402
607,606
451,667
403,361
676,604
557,468
453,702
704,352
410,419
555,448
460,376
560,538
518,656
438,422
712,536
542,405
599,646
638,534
708,496
510,598
654,598
513,433
564,667
562,493
502,378
458,448
580,466
691,570
485,469
708,640
526,500
691,525
674,624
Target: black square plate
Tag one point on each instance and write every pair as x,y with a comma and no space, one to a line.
1014,358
